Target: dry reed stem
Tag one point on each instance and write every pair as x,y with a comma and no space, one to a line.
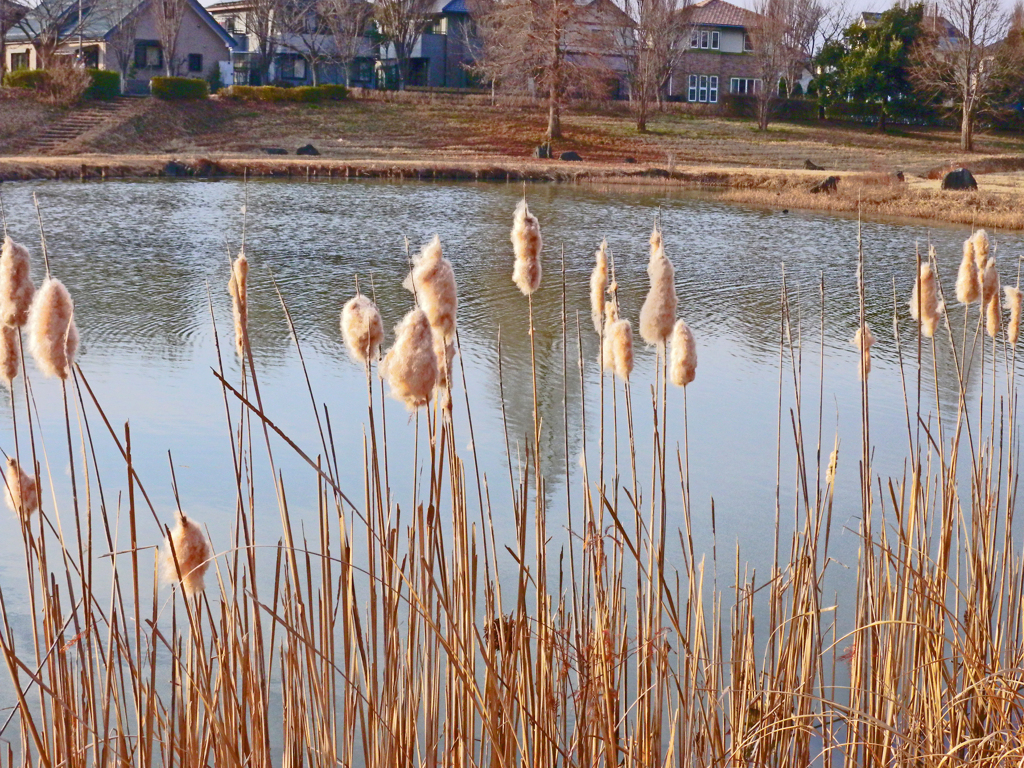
657,316
362,328
598,285
239,291
410,366
10,354
683,355
527,244
967,286
187,552
432,280
16,287
22,493
924,301
863,342
53,336
1013,301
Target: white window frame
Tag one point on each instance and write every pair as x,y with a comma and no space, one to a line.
702,89
715,40
713,89
691,94
695,38
743,86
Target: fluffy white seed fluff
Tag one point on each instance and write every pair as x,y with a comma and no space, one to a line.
362,328
239,292
863,340
10,355
410,366
989,282
444,351
16,287
617,351
52,334
924,298
526,243
981,246
968,289
657,316
684,355
434,282
992,318
192,551
598,285
1013,301
611,314
21,492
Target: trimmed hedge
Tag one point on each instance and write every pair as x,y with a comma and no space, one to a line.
306,94
172,88
32,79
105,85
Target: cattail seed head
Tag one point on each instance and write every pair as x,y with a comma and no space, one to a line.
657,316
1013,301
16,287
362,328
433,279
10,355
617,354
52,334
192,551
981,245
239,291
863,340
410,366
968,290
924,301
526,243
992,318
598,285
22,494
444,351
684,355
989,281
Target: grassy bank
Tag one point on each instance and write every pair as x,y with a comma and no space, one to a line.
412,629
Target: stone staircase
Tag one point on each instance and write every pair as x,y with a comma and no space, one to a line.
77,123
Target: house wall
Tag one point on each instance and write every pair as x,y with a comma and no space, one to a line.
699,62
195,36
13,48
731,40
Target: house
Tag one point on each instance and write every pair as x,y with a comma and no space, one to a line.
442,54
718,59
261,29
107,34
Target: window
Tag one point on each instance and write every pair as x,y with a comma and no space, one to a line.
195,62
230,25
19,61
703,89
748,43
293,68
714,40
743,85
148,55
705,38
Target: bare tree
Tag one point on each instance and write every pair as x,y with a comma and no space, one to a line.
805,18
542,46
10,14
169,15
771,56
962,58
49,24
347,21
650,46
400,23
124,20
303,29
260,21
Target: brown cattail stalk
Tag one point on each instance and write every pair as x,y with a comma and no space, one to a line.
22,493
432,280
238,289
924,298
598,285
684,355
617,354
16,287
981,245
863,340
527,243
657,316
192,551
52,334
968,290
410,366
10,355
1013,301
362,328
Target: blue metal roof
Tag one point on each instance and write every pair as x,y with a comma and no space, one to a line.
456,6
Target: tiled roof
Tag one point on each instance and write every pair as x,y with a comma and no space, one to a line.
718,13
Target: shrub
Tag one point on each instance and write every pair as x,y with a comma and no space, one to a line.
103,85
31,79
172,88
213,78
306,94
333,92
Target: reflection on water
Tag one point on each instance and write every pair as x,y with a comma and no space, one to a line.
146,261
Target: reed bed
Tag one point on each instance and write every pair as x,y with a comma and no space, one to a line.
388,639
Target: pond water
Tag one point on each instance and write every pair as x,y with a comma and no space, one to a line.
144,260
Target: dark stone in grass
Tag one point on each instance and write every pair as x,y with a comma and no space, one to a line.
543,152
275,151
810,166
629,160
174,168
898,176
828,186
309,149
959,179
570,156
